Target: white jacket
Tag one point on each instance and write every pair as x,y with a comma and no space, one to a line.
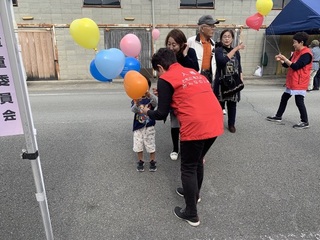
195,43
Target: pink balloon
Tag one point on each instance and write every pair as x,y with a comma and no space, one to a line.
155,34
130,45
255,21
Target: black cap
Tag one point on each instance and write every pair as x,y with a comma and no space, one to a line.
207,19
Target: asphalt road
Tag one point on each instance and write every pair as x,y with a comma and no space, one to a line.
262,182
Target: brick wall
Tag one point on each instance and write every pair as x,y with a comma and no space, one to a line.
74,60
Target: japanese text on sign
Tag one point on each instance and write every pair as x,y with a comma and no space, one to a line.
10,121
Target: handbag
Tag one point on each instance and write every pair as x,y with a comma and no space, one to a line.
230,85
230,80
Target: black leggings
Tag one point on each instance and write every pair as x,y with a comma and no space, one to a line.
299,102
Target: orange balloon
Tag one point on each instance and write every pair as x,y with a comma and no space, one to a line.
135,84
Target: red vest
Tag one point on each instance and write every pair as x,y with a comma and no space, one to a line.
299,79
196,107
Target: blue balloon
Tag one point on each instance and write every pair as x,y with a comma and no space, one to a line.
96,74
131,63
110,62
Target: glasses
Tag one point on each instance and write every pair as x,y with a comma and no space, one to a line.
210,26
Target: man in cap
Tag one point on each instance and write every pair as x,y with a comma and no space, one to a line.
203,44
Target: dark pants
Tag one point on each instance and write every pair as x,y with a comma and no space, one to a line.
316,80
207,74
232,111
299,102
192,154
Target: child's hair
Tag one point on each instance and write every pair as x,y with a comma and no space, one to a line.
148,80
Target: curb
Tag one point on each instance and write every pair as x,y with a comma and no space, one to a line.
116,83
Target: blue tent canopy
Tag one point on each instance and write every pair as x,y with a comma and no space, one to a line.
297,16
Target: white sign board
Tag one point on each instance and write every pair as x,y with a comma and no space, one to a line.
10,119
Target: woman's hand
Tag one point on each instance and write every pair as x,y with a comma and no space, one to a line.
185,50
281,58
241,46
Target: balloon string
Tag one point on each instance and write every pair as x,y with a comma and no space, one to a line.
277,49
274,39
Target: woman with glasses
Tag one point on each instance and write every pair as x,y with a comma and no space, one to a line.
228,62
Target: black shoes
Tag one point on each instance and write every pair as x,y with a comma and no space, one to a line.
232,129
301,125
274,118
180,213
179,191
140,166
153,166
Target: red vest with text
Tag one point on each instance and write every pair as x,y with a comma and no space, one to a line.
299,79
194,103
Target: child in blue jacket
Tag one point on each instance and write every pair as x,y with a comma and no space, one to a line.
144,129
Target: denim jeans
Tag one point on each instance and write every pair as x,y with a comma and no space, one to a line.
192,154
299,103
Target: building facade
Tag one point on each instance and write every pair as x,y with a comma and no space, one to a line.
49,52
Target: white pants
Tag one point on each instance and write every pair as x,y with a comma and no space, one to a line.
144,137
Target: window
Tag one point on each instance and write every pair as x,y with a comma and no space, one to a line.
280,4
197,4
15,2
101,3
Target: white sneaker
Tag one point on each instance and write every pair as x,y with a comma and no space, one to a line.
174,156
224,112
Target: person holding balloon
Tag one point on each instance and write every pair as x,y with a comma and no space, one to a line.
144,130
190,95
187,57
299,68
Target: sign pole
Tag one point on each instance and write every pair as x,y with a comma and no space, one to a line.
10,42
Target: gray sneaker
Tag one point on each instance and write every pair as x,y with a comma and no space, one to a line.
301,125
274,118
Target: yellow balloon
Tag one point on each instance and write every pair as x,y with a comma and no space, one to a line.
85,32
264,6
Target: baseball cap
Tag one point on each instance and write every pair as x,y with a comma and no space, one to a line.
207,19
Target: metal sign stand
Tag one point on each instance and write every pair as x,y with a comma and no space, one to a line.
31,153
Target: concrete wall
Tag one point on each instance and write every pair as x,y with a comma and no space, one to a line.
74,60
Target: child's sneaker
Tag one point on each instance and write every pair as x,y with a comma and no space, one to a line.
153,166
140,166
